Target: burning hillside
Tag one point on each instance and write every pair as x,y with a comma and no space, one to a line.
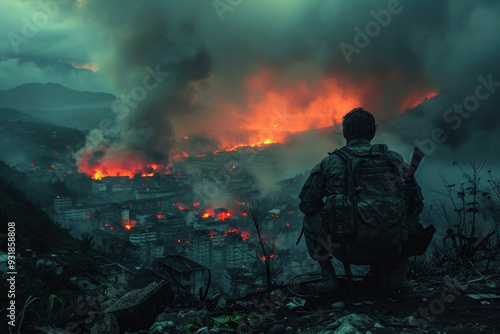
128,164
270,108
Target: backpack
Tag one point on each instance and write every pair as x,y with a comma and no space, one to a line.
371,211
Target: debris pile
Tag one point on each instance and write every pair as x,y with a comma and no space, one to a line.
436,305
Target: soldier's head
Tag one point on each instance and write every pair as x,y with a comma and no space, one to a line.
358,123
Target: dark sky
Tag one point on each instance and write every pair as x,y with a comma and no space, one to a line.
396,51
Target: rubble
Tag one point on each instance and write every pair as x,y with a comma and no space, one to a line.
346,328
137,309
156,310
108,325
351,322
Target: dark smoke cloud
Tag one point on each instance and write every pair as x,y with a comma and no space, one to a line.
440,45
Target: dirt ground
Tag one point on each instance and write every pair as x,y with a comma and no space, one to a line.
435,305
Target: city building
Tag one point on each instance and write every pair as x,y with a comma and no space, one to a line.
187,273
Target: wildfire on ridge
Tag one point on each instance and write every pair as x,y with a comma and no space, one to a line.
279,107
416,97
253,145
274,106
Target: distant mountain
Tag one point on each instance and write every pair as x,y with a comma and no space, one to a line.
10,114
59,105
26,140
35,96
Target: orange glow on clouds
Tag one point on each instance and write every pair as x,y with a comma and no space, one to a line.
298,105
88,66
416,97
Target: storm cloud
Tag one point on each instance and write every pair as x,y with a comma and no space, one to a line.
398,49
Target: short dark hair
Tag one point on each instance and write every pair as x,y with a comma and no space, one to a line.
358,123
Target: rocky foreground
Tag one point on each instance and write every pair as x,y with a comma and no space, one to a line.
436,305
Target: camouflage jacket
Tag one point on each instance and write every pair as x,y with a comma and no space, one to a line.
327,178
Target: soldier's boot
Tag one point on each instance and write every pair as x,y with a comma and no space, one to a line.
329,281
395,277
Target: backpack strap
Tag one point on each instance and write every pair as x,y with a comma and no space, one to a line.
347,154
344,153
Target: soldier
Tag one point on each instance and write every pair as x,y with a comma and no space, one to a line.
366,211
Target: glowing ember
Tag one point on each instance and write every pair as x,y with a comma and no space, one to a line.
128,224
244,234
160,216
207,213
224,214
263,258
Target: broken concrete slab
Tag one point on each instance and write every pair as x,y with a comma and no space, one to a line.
138,309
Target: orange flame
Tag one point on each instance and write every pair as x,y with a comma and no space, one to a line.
207,213
129,224
244,234
263,257
129,164
277,108
223,215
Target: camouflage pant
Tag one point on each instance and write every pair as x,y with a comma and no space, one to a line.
319,246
